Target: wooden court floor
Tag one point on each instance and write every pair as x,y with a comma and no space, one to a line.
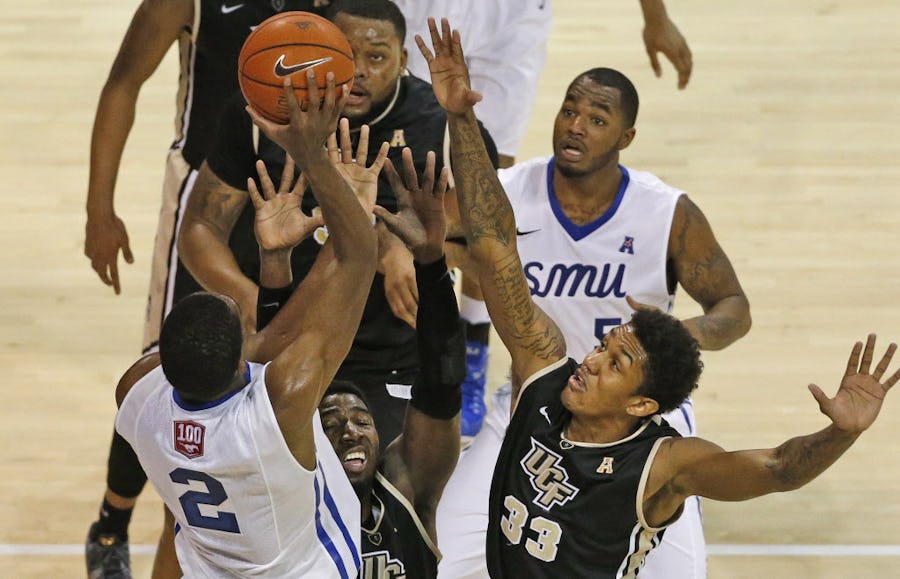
786,138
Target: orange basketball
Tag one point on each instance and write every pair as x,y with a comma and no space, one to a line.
289,44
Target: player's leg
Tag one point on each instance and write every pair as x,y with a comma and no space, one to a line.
106,548
165,564
682,552
478,327
462,514
507,72
179,180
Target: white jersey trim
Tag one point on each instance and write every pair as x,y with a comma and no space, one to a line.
412,513
540,373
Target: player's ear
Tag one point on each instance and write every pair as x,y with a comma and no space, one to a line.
403,57
627,137
641,406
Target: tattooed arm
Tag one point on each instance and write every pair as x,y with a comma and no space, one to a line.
212,211
699,264
693,466
533,339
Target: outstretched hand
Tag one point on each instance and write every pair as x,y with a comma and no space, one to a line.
309,127
449,73
420,221
280,223
861,393
664,36
361,179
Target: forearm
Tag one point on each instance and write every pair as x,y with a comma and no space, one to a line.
275,268
112,124
654,11
210,261
484,209
441,340
801,459
724,323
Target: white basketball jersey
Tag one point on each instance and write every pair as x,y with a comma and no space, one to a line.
580,274
243,505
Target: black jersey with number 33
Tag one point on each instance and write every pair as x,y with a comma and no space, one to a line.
565,509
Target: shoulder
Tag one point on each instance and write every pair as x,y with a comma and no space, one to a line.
544,386
647,183
531,172
131,376
178,13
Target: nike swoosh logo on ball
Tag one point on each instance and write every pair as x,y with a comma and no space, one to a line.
282,70
230,9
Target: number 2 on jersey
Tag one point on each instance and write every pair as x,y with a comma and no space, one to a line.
549,533
215,495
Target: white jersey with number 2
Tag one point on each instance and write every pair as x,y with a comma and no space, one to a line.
244,506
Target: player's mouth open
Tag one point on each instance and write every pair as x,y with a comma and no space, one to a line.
356,96
354,461
571,151
576,382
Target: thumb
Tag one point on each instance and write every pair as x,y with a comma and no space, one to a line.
822,398
654,62
126,248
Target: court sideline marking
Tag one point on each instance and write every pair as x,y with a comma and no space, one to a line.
723,550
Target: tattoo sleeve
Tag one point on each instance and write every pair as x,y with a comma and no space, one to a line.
801,459
706,274
489,224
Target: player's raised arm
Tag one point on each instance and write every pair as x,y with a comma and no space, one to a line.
327,307
692,466
420,461
533,339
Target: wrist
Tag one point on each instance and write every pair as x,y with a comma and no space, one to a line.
428,255
100,210
275,268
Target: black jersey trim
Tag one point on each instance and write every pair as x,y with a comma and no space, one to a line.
412,512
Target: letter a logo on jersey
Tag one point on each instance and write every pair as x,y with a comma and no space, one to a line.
399,139
189,437
627,245
606,467
548,477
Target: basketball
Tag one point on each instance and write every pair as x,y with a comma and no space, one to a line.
288,45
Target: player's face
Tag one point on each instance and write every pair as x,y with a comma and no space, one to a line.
379,58
606,382
590,129
351,430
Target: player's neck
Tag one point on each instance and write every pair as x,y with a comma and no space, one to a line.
599,430
585,198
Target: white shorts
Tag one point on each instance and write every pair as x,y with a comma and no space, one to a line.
462,514
505,44
177,184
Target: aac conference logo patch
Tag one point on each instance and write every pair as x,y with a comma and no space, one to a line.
189,437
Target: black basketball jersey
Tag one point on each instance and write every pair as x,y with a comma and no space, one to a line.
208,54
396,545
414,118
564,509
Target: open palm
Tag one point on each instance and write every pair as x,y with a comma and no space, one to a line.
420,221
449,73
861,393
280,223
362,180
